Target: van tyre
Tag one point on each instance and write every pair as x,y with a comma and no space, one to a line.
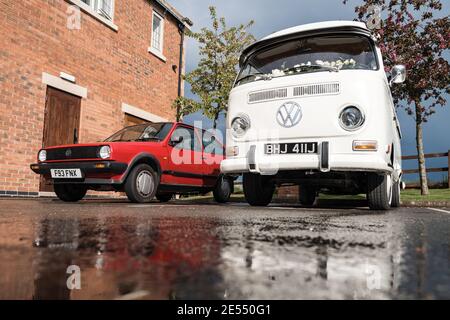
141,184
396,195
307,196
379,191
70,192
258,190
223,190
165,197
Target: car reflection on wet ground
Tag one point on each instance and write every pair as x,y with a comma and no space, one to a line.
206,251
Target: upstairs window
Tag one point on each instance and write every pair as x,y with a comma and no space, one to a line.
104,8
157,33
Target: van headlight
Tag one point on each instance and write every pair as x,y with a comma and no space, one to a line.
240,125
351,118
42,155
104,152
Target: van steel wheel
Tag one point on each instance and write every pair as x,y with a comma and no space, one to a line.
379,191
396,195
222,191
307,195
70,192
258,190
142,184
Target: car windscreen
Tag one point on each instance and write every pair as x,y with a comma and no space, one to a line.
142,132
313,54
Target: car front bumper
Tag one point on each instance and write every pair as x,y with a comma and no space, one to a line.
94,172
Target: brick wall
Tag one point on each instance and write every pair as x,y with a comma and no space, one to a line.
115,67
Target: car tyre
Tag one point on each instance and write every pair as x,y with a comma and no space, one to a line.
396,195
223,190
141,184
258,190
379,191
70,192
165,197
307,196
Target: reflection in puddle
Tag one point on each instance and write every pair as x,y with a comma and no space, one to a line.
178,255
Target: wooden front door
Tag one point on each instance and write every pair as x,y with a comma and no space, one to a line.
61,121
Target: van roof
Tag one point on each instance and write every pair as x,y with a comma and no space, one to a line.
306,30
315,26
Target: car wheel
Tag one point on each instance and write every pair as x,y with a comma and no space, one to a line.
396,195
165,197
379,191
258,190
141,184
70,192
222,191
307,196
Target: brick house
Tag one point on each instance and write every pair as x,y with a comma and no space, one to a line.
79,70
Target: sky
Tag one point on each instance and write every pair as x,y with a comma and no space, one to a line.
271,16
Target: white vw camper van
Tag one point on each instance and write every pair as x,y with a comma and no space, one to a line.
312,107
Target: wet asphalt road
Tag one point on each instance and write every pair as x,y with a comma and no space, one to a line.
206,251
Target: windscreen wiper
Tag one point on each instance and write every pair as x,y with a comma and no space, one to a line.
262,76
311,66
147,139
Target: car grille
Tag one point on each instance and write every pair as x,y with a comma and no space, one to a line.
72,153
295,92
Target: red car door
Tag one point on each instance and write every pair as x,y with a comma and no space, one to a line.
185,161
213,154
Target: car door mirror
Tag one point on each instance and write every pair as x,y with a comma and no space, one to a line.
398,74
175,141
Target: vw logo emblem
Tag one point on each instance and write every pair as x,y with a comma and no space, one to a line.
68,153
289,114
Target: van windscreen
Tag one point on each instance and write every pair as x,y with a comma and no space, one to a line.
314,54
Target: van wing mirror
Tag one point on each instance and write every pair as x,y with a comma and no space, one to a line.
398,74
175,141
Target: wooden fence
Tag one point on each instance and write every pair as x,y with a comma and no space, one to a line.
431,155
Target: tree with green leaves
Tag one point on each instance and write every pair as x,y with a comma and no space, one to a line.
409,33
212,80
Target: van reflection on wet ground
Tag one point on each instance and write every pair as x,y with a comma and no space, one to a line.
195,251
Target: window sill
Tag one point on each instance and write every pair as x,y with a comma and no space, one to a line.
157,54
84,7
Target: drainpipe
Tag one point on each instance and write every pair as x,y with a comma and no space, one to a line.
180,65
181,29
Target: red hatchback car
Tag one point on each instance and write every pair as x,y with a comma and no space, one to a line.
146,161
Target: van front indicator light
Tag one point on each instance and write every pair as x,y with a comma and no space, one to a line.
365,145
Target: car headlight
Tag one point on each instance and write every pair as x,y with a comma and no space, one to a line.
42,155
351,118
240,125
104,152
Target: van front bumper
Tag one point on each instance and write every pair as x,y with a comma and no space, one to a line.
258,162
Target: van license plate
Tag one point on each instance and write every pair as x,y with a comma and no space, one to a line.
66,173
292,148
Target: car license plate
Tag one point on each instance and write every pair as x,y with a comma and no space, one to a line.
66,173
292,148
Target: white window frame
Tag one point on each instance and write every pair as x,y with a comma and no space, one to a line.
159,52
93,10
